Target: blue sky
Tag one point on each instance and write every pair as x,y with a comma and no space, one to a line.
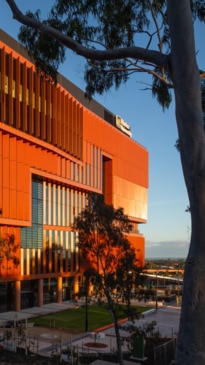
167,232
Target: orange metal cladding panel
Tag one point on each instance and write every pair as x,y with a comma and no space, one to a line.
16,178
138,242
63,167
130,196
63,121
37,109
1,171
22,198
19,177
68,169
2,81
17,102
27,152
12,156
66,106
24,117
108,182
12,176
15,54
11,118
31,100
5,170
130,160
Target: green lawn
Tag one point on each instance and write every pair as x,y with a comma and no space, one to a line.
74,319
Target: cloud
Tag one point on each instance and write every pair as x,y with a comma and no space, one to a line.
166,249
167,202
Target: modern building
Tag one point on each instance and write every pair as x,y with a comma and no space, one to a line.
55,148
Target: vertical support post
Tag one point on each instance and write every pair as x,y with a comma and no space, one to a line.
40,292
86,309
156,304
17,296
59,288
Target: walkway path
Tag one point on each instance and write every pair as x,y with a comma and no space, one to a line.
45,339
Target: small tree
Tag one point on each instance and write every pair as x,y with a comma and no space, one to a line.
9,255
111,260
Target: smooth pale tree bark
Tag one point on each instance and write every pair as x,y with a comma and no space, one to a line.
183,70
185,76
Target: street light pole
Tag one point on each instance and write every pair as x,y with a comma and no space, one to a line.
156,304
178,286
86,305
86,311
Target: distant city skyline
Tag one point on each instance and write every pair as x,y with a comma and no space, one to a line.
169,249
167,231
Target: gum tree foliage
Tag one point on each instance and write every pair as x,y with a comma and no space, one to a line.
109,35
111,260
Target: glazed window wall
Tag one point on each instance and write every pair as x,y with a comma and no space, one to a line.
51,250
49,291
32,237
29,293
61,204
68,284
7,297
61,251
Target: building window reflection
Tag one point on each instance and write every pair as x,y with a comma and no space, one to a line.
32,237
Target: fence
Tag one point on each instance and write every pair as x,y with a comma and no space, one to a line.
165,353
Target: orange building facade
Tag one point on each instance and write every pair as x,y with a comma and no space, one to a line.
56,147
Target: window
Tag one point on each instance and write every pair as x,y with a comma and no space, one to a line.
32,237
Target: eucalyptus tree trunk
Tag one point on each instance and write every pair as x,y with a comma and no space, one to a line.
185,76
116,326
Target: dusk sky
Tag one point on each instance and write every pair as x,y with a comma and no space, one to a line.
167,232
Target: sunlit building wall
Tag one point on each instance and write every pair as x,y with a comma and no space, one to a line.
56,147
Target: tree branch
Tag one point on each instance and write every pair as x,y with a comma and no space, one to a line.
152,56
156,25
135,68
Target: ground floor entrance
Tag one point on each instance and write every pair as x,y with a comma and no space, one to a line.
17,295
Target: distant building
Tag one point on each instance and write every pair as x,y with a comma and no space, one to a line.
55,148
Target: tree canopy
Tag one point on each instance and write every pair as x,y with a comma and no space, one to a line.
107,34
104,245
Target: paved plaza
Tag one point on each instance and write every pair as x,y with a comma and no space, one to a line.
48,340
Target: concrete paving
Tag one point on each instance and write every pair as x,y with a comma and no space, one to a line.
167,319
45,340
34,312
167,322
